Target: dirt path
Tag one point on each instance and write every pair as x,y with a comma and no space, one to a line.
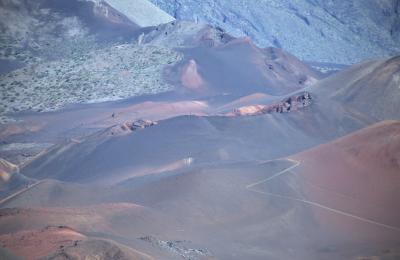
251,186
296,163
12,196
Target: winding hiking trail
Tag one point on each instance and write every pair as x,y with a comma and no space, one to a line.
251,186
12,196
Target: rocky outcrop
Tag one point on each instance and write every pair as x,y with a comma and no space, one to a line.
138,124
287,105
131,126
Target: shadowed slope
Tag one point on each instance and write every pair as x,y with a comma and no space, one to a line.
370,88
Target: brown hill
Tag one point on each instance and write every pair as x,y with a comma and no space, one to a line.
61,242
241,68
357,175
370,88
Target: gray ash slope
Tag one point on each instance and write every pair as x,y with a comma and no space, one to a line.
314,30
218,138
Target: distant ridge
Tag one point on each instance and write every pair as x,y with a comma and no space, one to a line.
340,32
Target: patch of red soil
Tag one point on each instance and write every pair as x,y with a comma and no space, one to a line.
33,244
6,169
190,77
358,174
287,105
19,128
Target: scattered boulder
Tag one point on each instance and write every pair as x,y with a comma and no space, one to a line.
179,247
128,127
140,124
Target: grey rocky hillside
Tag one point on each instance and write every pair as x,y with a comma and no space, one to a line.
314,30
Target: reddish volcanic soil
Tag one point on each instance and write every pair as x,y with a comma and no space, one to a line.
358,175
62,242
34,244
5,169
80,232
190,77
98,218
256,98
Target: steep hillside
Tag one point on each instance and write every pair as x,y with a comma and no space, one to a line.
370,88
241,68
317,30
99,75
358,174
34,31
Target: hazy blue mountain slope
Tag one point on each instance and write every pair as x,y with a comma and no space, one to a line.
314,30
